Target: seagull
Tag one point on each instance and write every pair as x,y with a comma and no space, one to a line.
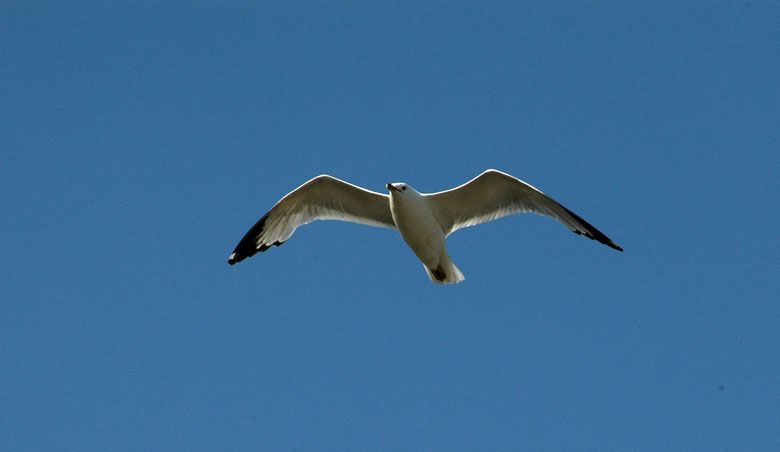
423,220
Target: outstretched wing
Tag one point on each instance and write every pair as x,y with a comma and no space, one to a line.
493,195
322,198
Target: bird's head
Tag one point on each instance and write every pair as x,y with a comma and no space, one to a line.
400,189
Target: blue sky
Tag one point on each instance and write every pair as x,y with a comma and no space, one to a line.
142,140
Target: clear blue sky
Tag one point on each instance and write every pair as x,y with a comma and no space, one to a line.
142,139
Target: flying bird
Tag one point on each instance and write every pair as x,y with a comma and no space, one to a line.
423,220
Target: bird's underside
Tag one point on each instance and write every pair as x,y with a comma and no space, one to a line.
489,196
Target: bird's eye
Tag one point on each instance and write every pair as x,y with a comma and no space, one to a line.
403,188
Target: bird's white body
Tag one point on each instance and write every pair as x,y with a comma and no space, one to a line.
421,230
424,220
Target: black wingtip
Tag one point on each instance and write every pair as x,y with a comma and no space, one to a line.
591,232
598,236
247,247
242,253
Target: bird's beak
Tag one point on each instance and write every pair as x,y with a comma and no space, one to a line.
391,188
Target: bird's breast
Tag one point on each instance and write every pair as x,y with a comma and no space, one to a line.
419,229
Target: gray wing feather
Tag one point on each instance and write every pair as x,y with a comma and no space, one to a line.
322,198
493,195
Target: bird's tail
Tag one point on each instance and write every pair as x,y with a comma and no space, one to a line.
446,273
